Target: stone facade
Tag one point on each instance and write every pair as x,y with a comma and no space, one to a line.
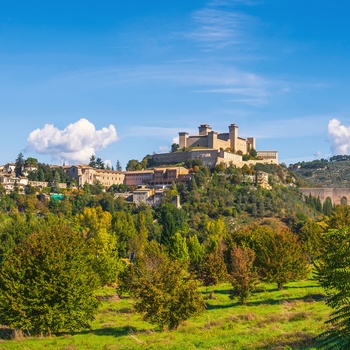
151,196
214,148
209,157
211,139
83,174
138,178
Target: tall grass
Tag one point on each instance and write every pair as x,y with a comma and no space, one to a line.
271,319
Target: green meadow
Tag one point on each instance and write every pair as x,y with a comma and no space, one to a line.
271,319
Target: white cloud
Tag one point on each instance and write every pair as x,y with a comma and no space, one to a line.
339,136
163,149
219,24
216,28
75,143
108,163
176,140
318,155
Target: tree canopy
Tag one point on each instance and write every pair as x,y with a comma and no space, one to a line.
47,283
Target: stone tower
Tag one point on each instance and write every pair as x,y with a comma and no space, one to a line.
204,129
233,136
183,136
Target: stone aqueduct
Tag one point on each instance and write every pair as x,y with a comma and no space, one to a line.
337,195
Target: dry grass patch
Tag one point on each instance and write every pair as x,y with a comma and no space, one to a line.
108,298
273,318
295,340
302,315
242,317
210,324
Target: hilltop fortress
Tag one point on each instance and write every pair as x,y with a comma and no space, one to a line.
216,148
212,139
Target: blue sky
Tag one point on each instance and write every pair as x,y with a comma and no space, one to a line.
120,79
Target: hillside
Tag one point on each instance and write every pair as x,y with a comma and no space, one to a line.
149,257
324,173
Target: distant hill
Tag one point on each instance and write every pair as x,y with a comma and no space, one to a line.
324,173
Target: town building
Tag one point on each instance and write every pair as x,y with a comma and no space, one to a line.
138,177
151,197
84,174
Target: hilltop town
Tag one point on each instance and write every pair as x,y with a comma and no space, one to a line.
147,185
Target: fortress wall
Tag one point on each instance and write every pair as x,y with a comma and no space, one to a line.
171,158
208,157
241,145
252,142
194,141
224,137
231,157
222,144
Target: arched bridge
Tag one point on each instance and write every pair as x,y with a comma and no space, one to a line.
337,195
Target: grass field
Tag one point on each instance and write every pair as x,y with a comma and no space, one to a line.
272,319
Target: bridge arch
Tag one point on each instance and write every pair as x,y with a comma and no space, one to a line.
337,195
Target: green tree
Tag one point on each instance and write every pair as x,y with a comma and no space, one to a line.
30,161
19,164
333,273
14,230
41,175
253,153
120,188
146,162
327,206
214,268
133,164
311,238
339,217
279,255
174,147
166,296
215,231
178,248
96,188
123,228
243,275
196,252
92,162
99,163
118,166
56,181
96,225
47,283
139,241
172,220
